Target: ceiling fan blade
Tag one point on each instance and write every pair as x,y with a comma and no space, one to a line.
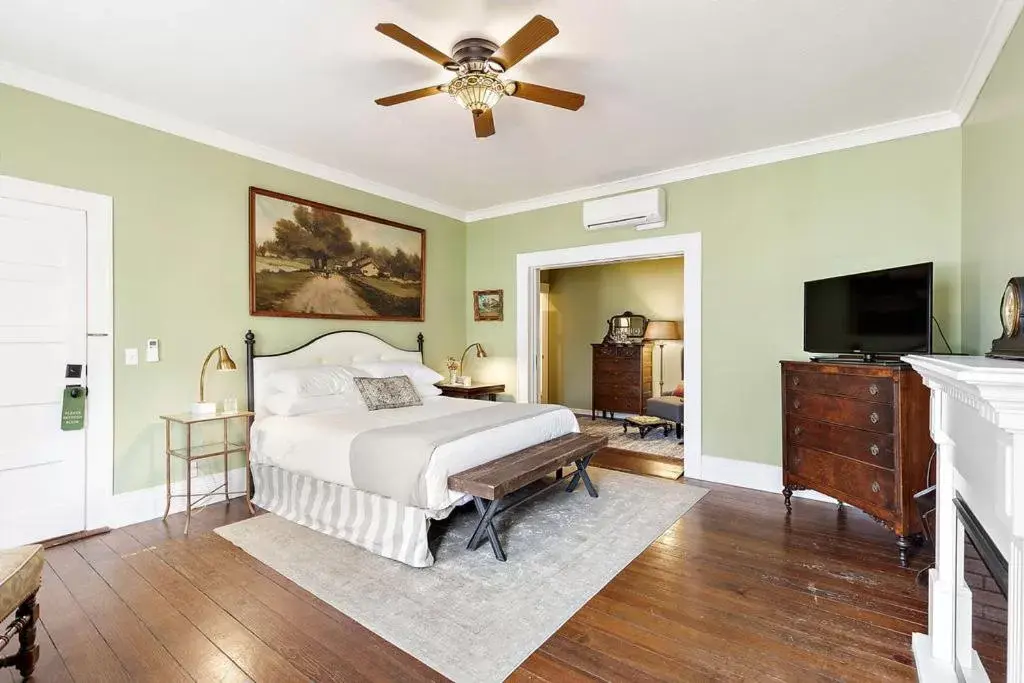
545,95
537,31
412,42
484,123
408,96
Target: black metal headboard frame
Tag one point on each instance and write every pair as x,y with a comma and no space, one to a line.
251,355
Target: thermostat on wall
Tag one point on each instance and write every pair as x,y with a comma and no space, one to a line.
152,350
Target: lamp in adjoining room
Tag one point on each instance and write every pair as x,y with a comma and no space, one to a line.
464,379
662,331
224,364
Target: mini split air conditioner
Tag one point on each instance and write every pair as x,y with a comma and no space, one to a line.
643,210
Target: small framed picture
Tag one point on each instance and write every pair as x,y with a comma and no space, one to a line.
489,304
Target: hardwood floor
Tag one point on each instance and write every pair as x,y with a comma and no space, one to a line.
733,590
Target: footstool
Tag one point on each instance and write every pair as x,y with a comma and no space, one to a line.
667,408
21,573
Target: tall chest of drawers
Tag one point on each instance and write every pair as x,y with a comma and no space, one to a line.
621,378
859,433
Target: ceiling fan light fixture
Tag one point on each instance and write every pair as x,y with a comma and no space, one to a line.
476,91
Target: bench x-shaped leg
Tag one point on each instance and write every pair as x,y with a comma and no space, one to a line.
581,473
486,525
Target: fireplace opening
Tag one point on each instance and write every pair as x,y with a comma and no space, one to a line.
986,572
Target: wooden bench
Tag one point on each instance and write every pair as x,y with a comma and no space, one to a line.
494,480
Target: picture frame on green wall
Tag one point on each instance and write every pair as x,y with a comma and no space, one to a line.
312,260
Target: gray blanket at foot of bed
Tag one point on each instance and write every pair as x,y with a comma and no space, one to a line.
390,461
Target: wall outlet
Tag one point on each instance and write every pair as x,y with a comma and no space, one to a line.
131,356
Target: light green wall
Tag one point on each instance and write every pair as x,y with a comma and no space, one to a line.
993,202
180,258
582,300
765,231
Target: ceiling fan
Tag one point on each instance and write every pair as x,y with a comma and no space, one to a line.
478,64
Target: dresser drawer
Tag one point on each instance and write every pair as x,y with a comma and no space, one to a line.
877,389
631,389
618,403
617,374
870,447
875,417
617,351
873,486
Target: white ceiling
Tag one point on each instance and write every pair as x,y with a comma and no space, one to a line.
669,83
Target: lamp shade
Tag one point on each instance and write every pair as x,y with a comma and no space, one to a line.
224,362
663,330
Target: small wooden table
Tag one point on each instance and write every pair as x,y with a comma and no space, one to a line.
190,454
645,423
491,391
494,480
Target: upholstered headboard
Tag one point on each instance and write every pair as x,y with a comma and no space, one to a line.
344,347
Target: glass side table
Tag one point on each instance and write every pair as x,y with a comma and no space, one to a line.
190,454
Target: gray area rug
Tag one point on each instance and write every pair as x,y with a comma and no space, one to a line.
655,442
469,616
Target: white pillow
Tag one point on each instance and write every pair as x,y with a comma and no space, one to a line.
314,380
419,373
427,390
288,404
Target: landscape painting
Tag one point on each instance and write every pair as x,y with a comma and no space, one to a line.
310,260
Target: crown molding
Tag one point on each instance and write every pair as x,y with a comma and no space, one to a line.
65,91
88,98
829,143
996,35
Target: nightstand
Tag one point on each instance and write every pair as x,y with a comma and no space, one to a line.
189,454
491,391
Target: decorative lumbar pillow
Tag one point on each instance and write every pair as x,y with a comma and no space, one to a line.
288,404
388,392
678,391
314,380
417,372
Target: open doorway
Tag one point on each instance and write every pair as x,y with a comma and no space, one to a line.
563,375
608,367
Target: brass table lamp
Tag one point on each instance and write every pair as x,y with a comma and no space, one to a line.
463,378
224,364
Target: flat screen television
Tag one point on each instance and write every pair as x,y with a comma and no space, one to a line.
883,312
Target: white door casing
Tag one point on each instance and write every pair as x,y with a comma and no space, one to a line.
544,380
56,302
528,267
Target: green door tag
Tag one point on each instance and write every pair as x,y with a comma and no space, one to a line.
72,414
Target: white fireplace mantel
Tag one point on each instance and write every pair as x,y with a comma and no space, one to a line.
977,423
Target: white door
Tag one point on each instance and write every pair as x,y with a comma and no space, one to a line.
42,329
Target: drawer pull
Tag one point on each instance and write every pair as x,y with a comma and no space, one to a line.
873,417
875,488
797,431
796,403
873,390
874,449
796,381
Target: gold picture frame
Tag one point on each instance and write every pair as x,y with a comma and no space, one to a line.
489,304
312,260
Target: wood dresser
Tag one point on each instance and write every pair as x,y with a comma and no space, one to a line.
622,378
858,432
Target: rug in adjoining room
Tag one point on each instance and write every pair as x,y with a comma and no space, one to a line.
469,616
656,442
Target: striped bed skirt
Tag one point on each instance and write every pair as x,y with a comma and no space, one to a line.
379,524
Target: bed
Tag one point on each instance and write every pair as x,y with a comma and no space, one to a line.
377,478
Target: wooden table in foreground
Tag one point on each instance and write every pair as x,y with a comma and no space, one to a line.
491,391
189,454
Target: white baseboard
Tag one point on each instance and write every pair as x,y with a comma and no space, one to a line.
146,504
752,475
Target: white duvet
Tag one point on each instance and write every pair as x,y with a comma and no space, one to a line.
318,444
